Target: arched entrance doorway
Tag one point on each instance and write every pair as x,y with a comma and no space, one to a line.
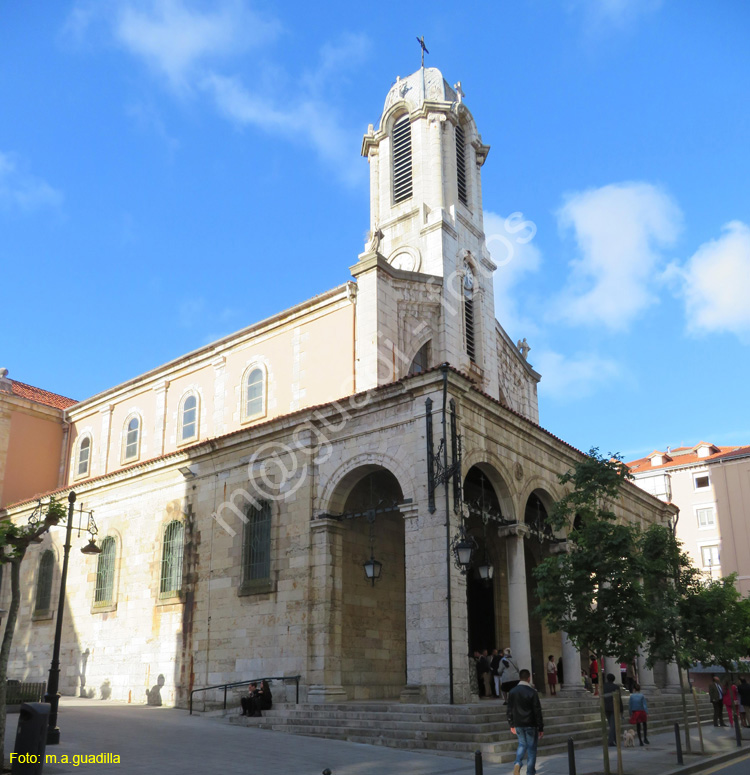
536,548
483,492
373,619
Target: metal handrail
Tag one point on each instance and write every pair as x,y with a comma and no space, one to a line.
226,686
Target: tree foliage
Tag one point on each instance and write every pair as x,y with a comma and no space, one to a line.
593,591
14,541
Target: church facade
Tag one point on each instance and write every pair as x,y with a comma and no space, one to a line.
286,501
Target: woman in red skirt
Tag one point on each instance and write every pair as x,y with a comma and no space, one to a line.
639,713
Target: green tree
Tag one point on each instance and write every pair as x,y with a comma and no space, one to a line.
14,542
593,591
716,621
671,586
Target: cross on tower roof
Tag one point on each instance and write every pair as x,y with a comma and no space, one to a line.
424,48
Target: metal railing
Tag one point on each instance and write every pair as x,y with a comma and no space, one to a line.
227,686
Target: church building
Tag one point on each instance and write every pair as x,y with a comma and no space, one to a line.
290,500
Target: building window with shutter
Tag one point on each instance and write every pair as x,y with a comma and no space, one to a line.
105,574
470,330
461,165
256,550
44,583
171,560
402,173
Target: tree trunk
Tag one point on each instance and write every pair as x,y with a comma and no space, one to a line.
10,626
604,724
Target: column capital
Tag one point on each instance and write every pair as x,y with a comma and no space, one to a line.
519,529
326,524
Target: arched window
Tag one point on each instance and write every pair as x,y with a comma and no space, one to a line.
105,573
189,418
255,393
421,360
84,456
401,150
256,545
171,560
461,165
471,348
44,582
132,438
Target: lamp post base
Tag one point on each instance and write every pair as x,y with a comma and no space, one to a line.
53,731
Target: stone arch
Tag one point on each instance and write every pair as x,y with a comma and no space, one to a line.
348,474
499,474
373,612
536,502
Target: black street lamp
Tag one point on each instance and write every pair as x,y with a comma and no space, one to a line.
53,684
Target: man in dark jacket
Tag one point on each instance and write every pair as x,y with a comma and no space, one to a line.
525,720
610,689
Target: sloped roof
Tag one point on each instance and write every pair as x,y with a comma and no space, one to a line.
680,456
39,396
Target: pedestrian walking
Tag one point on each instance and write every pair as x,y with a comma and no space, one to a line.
610,689
731,700
743,690
525,721
716,695
509,674
552,675
638,709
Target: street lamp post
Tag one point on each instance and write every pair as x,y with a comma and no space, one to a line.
53,684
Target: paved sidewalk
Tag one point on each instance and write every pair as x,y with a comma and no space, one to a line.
168,741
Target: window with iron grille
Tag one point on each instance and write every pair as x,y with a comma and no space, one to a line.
471,349
189,418
84,456
461,165
105,573
401,145
44,581
171,559
256,544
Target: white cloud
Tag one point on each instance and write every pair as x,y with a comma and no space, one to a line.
190,48
569,378
20,190
716,283
509,242
176,39
620,230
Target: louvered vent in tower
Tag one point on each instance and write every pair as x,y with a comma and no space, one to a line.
402,159
461,165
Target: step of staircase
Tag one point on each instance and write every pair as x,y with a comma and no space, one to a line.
457,730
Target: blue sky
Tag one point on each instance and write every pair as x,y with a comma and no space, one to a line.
171,171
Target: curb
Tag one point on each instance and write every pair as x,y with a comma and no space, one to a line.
711,761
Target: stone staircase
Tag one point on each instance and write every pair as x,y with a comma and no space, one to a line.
457,730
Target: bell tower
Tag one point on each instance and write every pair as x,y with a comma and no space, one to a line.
425,278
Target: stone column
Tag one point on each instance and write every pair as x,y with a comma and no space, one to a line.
646,675
218,424
324,655
104,440
160,415
673,679
413,691
571,658
518,605
612,665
